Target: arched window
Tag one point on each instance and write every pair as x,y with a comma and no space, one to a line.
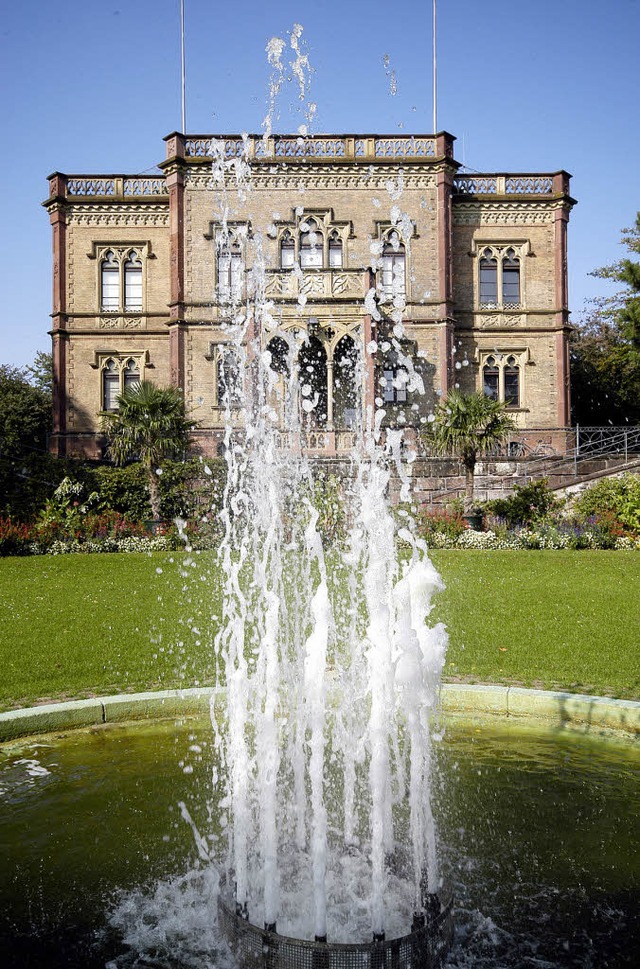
110,385
510,279
393,268
500,277
312,370
133,283
228,378
335,251
512,382
110,283
491,379
310,245
488,278
287,251
230,271
501,378
280,356
345,383
130,374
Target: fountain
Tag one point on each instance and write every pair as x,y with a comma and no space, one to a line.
331,673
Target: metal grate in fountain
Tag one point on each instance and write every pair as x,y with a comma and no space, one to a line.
425,947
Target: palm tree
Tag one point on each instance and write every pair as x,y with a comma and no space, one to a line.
149,426
466,426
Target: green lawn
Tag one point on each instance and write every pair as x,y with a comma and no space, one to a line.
82,625
547,619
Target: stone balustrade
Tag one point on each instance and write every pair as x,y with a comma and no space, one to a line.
322,147
315,284
538,185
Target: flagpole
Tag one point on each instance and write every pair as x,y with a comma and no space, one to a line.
183,86
435,89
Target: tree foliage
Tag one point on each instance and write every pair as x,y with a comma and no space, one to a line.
467,426
149,426
605,347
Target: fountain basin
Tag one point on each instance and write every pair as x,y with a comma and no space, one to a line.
539,835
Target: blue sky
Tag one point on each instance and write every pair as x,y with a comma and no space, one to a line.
92,87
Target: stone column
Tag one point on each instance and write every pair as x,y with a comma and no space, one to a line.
56,207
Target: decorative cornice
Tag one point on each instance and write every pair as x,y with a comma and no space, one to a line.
120,215
503,213
322,177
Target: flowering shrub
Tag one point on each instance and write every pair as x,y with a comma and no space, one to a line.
447,523
15,538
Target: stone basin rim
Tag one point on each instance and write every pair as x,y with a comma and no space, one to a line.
563,710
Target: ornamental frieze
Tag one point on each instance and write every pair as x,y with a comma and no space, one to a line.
500,319
502,213
119,215
120,323
316,177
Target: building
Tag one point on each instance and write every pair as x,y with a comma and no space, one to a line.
147,273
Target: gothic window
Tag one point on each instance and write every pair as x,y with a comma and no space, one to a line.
133,283
287,251
512,382
500,278
110,386
488,278
228,378
345,383
110,283
491,379
130,374
118,373
335,251
311,245
121,281
502,378
230,270
393,277
510,279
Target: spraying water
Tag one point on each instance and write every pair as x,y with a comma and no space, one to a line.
330,671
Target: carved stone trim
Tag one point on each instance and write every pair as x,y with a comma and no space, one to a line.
120,215
316,177
503,213
500,319
121,322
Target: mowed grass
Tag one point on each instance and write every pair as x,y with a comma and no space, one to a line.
84,625
545,619
81,625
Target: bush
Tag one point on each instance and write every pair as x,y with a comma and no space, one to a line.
448,523
613,500
15,538
528,503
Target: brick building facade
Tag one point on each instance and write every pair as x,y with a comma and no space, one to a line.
148,271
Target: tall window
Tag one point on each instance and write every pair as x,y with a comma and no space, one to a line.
133,283
228,378
110,386
287,251
118,374
510,279
512,382
311,245
335,251
500,284
230,271
501,378
110,280
121,289
393,282
488,278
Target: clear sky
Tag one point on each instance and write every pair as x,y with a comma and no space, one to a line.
92,86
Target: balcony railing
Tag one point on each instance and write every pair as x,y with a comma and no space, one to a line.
112,186
315,284
325,147
540,186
